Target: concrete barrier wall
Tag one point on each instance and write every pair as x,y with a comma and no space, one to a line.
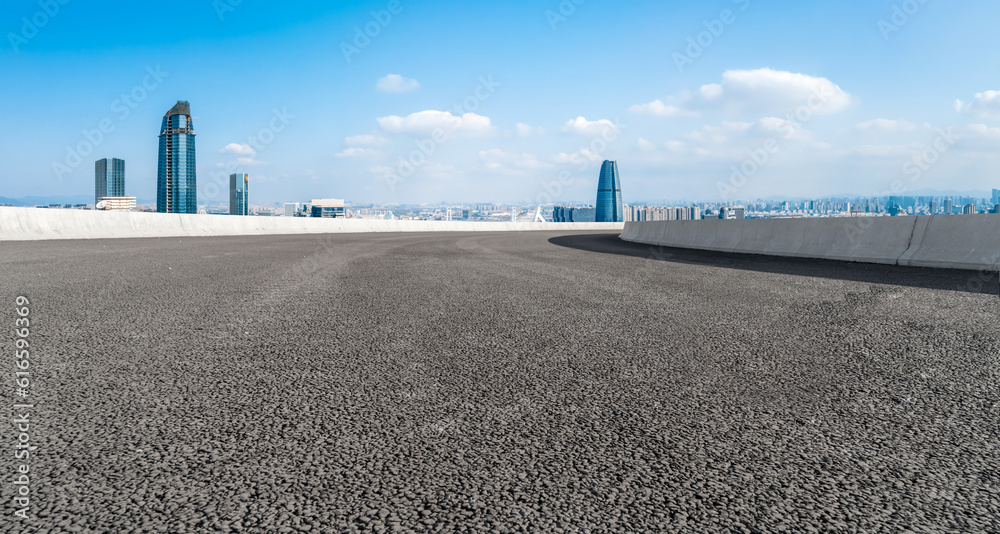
947,241
20,224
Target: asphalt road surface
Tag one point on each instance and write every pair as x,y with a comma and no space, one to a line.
518,382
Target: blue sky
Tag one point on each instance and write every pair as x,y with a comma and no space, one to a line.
508,101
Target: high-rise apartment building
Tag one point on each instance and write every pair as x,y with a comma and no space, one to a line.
176,179
949,207
109,178
291,209
933,207
969,209
239,194
330,208
609,194
573,214
996,196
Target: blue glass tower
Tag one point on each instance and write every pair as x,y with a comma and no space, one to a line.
176,183
109,178
239,194
609,194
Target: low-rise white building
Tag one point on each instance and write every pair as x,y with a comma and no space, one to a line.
116,204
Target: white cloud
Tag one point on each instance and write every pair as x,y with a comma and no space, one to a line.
657,108
245,161
427,121
437,171
366,140
357,152
971,137
734,133
719,134
885,125
674,146
394,83
579,157
884,151
785,128
498,160
644,144
771,90
980,130
737,126
581,125
525,130
984,105
238,149
710,91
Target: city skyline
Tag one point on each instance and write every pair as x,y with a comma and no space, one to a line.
741,100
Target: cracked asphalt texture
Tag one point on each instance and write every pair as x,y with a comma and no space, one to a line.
498,382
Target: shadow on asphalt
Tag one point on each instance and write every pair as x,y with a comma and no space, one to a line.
939,279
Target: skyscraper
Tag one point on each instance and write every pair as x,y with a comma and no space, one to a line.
330,208
109,181
572,214
239,194
609,194
176,181
291,209
996,196
949,206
